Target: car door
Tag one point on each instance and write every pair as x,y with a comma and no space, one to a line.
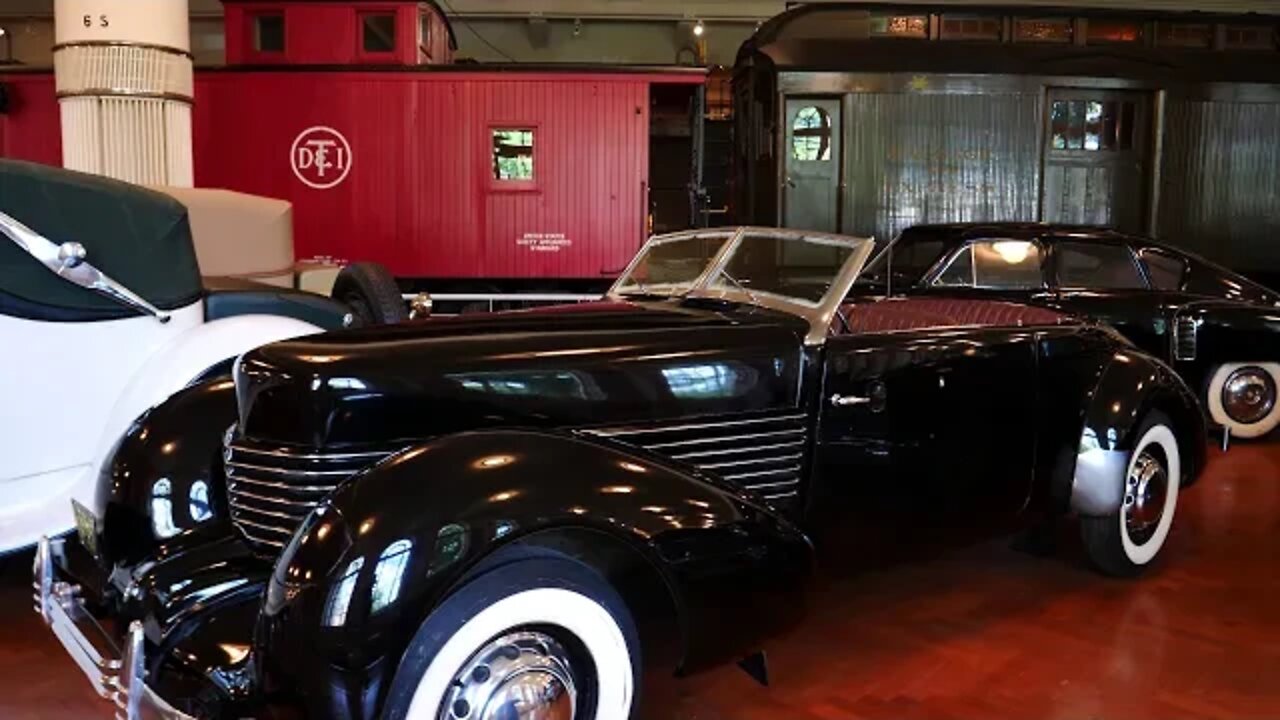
1104,281
933,423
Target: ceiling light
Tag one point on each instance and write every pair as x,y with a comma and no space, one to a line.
699,28
1013,251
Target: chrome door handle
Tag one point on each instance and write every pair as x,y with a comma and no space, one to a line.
839,400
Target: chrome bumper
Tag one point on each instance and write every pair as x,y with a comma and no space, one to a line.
117,676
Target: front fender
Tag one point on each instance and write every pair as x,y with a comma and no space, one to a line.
163,482
367,567
1132,385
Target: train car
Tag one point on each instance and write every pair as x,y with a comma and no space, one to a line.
459,177
867,118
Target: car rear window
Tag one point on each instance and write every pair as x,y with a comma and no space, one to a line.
1096,266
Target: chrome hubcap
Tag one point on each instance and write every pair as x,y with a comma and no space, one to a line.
518,676
1145,491
1248,395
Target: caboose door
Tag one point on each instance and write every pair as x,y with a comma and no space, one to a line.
811,180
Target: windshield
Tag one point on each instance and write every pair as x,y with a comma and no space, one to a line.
751,264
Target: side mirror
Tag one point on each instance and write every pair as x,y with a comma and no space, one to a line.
420,306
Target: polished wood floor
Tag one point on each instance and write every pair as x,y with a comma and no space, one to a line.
980,632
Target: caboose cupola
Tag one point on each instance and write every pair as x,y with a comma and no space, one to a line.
341,32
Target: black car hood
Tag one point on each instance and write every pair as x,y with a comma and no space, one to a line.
595,363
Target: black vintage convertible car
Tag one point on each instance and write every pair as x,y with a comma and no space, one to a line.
1219,330
510,515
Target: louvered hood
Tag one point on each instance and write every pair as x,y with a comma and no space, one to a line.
595,364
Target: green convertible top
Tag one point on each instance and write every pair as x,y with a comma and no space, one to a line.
139,237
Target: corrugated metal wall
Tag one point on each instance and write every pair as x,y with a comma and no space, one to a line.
419,196
916,158
1220,189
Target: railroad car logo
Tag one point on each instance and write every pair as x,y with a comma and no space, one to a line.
321,157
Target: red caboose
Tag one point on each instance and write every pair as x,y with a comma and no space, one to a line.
459,177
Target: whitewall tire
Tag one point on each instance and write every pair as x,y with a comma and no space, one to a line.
1242,397
1128,540
544,631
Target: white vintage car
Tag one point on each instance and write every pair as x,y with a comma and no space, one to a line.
104,313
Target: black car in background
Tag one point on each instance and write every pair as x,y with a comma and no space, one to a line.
510,515
1219,330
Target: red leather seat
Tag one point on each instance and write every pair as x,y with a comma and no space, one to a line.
920,313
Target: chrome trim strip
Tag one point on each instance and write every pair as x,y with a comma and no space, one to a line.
794,469
239,447
168,50
789,457
737,450
304,505
268,528
278,544
726,438
237,479
233,464
694,426
781,483
235,505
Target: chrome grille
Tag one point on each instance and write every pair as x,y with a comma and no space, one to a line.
763,454
271,489
1184,338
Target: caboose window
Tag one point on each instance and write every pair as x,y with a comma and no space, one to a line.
378,32
1113,31
970,27
513,154
1193,35
916,26
1250,37
268,32
1053,30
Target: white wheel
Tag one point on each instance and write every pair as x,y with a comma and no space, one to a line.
1129,539
537,639
1242,397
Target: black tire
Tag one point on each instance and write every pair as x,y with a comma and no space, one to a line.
371,294
477,610
1112,545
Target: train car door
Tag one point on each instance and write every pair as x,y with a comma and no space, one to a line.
811,184
1095,158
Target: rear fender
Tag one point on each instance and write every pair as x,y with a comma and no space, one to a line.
1130,387
367,567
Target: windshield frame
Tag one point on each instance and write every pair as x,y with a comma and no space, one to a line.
818,314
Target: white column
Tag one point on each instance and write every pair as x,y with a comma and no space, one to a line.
124,78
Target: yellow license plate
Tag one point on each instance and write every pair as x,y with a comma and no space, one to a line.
86,527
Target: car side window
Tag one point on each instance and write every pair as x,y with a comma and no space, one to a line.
1097,266
1166,271
995,264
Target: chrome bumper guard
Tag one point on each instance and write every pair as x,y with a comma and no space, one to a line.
118,677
